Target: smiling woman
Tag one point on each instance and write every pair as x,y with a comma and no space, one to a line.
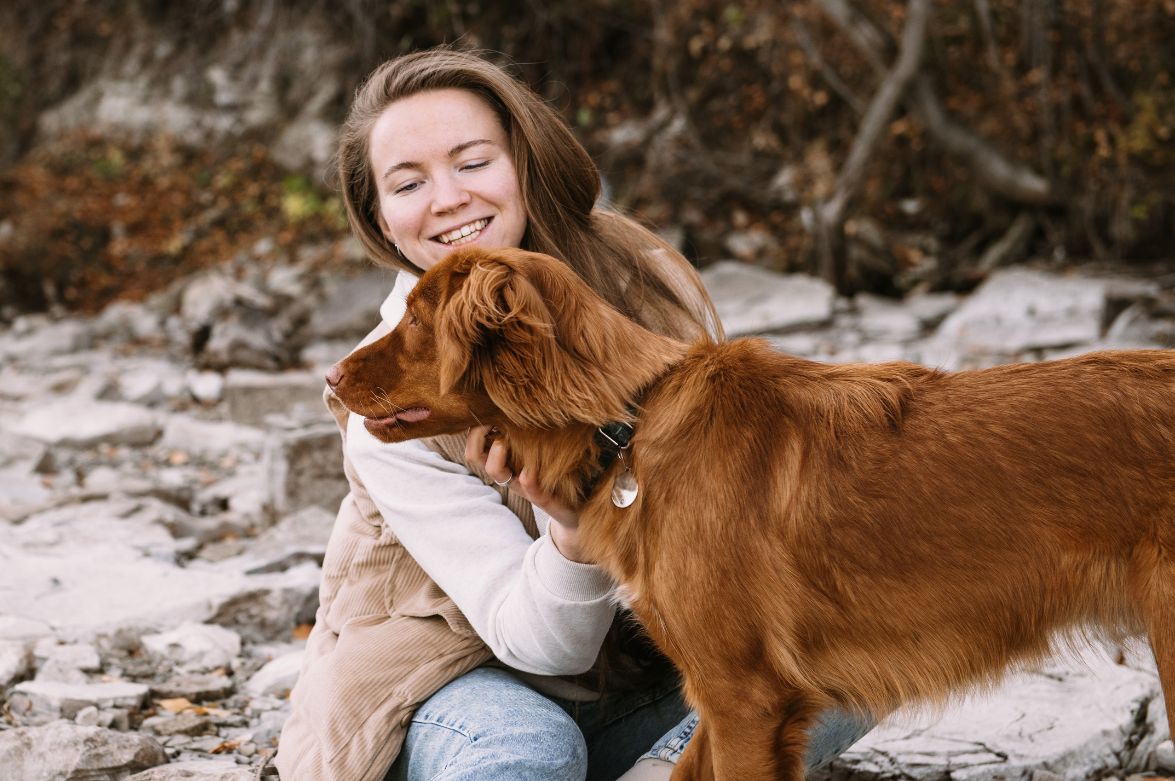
460,633
445,176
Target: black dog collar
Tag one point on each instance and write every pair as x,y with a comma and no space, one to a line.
613,439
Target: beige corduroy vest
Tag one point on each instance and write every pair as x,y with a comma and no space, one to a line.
385,639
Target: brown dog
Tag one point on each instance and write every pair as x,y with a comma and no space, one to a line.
805,535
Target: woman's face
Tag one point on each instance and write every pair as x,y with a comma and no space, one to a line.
444,176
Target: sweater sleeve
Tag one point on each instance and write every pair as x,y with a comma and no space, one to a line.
537,611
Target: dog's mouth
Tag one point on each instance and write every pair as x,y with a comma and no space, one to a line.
399,420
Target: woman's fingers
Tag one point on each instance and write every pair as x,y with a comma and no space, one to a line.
526,483
476,445
487,452
491,455
497,464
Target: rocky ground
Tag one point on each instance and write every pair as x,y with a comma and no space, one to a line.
166,495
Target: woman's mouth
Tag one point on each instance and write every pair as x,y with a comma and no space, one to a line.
465,234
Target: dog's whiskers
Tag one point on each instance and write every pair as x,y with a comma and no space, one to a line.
380,397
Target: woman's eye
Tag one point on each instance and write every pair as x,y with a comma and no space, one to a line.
475,166
406,188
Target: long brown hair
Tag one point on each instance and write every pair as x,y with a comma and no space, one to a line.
630,266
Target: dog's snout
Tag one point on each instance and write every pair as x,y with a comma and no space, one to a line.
334,375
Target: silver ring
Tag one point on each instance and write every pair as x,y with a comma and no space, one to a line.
504,483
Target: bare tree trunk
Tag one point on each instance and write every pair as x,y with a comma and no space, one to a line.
880,110
983,14
831,216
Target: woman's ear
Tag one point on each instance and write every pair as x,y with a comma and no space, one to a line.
383,226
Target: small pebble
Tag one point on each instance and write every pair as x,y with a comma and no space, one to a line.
87,716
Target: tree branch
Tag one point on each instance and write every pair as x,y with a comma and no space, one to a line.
992,169
880,110
870,41
1008,247
830,76
997,173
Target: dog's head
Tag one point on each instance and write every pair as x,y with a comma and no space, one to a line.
490,336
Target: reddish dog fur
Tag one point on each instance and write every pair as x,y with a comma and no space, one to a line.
806,535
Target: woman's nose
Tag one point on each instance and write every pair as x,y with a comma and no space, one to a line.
448,194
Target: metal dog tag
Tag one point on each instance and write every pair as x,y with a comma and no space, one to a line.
624,489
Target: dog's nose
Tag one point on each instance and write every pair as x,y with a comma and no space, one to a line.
334,375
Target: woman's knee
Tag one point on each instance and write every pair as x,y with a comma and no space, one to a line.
489,725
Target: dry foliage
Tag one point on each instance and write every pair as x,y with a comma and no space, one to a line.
1028,128
94,220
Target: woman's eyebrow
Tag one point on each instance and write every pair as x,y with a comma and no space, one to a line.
452,153
462,147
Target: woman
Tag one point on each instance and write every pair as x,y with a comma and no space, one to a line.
460,633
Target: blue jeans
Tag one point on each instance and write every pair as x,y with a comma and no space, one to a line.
489,725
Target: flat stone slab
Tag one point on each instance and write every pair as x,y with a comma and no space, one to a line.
297,538
196,770
82,423
191,435
278,676
62,750
254,396
60,338
195,646
1073,719
83,591
16,661
305,468
1020,309
132,523
880,318
39,702
21,493
194,687
754,300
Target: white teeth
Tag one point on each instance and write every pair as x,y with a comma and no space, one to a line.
463,231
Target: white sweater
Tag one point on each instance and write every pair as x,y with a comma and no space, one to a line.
537,611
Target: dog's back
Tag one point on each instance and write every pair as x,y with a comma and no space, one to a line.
888,533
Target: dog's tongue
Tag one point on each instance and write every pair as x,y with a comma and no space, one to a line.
414,415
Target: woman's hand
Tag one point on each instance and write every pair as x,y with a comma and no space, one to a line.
492,456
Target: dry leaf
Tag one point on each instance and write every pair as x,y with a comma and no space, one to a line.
175,704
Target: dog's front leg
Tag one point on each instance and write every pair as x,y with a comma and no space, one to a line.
696,762
757,739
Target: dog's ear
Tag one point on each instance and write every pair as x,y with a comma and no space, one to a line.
527,332
489,305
